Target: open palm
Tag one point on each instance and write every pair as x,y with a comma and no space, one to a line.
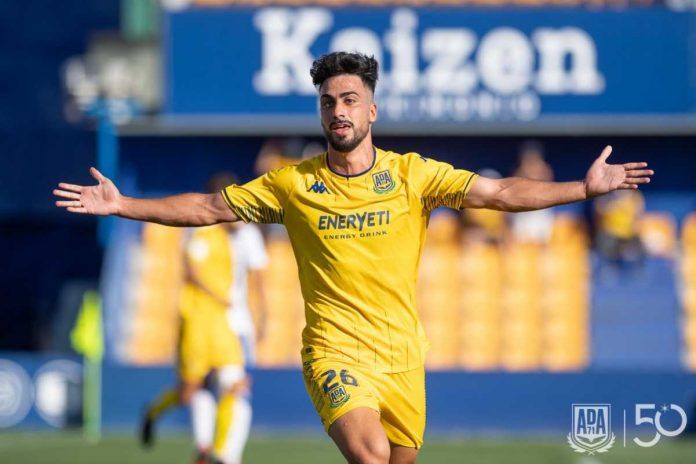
101,199
603,178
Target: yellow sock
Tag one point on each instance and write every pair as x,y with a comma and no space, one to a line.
164,402
223,421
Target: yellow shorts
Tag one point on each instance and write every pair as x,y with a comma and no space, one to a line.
336,387
206,344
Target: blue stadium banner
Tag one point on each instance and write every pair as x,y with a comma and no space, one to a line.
447,67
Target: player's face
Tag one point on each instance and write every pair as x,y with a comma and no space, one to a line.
347,111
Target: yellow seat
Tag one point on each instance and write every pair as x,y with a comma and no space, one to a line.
688,236
153,295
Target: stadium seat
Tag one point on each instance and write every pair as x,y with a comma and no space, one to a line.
153,293
285,320
523,306
438,290
689,231
569,230
689,299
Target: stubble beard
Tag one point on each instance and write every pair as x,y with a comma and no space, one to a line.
345,144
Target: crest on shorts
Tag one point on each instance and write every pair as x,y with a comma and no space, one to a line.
338,396
384,183
591,430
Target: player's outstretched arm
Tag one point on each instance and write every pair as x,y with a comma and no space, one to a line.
518,194
104,199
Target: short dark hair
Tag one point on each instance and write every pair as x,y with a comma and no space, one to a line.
336,63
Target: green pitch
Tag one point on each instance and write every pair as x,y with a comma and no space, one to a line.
45,448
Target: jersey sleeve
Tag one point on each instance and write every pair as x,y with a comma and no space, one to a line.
263,199
440,184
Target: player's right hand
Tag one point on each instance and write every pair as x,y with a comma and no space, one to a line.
102,199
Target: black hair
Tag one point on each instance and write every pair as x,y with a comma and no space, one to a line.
336,63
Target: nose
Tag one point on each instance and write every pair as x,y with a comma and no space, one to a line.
339,111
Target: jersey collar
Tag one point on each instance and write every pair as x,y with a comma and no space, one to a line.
348,176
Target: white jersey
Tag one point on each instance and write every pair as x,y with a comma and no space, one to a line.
249,254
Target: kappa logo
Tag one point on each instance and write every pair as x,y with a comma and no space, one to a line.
591,432
338,396
318,187
383,182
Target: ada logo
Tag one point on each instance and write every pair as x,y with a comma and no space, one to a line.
383,182
591,430
338,396
318,187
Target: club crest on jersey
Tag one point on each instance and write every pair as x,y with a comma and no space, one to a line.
383,182
318,187
338,396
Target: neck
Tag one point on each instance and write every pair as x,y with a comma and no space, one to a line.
353,162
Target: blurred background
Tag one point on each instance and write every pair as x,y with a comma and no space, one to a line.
527,313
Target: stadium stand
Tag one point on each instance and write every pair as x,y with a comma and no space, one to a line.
516,307
688,290
285,319
153,288
513,307
519,307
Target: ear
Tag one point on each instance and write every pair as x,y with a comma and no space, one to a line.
373,112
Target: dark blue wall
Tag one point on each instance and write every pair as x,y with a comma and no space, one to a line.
40,247
185,162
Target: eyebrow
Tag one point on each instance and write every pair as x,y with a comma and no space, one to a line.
341,95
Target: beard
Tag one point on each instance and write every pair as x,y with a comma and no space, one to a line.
345,144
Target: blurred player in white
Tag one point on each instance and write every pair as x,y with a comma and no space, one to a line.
217,337
250,261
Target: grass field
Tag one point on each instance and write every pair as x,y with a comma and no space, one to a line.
44,448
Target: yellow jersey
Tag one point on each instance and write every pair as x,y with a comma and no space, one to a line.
357,241
208,254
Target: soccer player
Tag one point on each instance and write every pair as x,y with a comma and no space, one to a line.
356,216
215,259
250,259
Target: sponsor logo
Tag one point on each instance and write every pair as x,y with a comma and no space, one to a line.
58,383
318,187
383,182
355,221
16,393
591,432
440,72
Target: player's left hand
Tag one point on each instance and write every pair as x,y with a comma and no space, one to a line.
603,178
